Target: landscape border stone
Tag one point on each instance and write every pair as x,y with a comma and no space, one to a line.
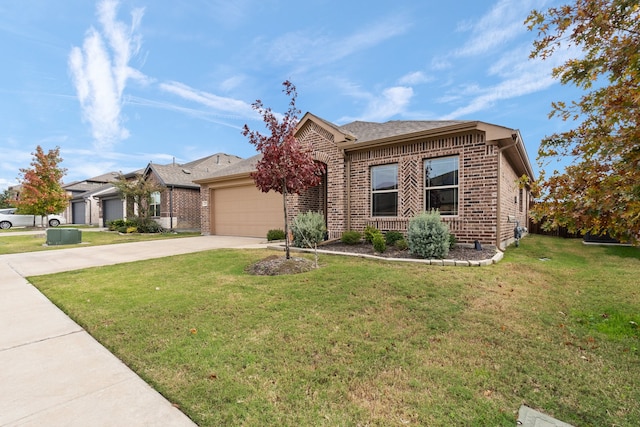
440,262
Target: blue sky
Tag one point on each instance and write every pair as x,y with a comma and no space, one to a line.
118,84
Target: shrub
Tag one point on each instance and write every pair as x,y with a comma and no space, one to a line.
428,236
391,237
351,237
369,233
130,229
308,229
275,234
145,225
378,243
115,224
402,245
452,241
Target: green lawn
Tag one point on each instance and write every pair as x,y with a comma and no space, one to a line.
36,242
360,342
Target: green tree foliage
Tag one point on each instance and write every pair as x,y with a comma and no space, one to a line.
600,190
308,230
42,192
139,190
6,199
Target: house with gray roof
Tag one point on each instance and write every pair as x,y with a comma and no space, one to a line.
177,204
83,201
383,174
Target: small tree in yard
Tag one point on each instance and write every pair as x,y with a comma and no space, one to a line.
139,190
287,166
42,193
309,230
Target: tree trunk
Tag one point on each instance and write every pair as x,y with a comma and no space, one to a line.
286,221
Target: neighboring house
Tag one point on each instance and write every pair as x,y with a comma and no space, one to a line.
83,204
177,205
383,174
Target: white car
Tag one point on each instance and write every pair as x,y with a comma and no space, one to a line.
9,218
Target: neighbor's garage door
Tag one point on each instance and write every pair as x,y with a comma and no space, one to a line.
111,209
246,211
77,212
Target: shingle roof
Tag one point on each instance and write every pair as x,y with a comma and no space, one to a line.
184,174
243,166
370,131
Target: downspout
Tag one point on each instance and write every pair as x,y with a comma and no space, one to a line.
499,198
171,208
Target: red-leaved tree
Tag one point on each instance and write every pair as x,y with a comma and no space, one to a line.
287,166
42,192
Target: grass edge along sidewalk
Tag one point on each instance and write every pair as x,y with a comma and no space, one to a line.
372,342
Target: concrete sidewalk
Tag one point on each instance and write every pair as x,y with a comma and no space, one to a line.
54,373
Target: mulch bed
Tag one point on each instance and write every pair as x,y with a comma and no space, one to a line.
275,265
458,253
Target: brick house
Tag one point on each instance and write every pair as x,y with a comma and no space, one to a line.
177,205
382,174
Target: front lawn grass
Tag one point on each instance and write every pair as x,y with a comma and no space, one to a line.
36,242
359,342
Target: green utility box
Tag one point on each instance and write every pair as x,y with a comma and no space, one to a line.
63,236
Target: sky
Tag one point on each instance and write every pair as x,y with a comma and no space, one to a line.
119,84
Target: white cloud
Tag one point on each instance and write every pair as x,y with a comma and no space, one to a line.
415,78
392,101
101,70
227,107
503,23
312,50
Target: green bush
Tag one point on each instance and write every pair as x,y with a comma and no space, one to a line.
145,225
275,234
308,229
135,225
370,232
391,237
351,237
378,243
116,224
452,241
401,245
428,236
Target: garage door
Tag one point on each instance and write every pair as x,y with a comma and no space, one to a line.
246,211
77,212
111,209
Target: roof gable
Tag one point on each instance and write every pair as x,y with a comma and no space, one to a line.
183,175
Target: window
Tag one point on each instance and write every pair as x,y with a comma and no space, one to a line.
441,185
521,199
384,190
154,205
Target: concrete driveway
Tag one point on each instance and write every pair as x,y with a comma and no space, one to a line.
54,373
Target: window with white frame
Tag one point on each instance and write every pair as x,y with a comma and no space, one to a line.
154,205
441,185
384,190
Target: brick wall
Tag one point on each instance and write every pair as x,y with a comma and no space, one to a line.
477,198
186,208
205,212
514,203
325,151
